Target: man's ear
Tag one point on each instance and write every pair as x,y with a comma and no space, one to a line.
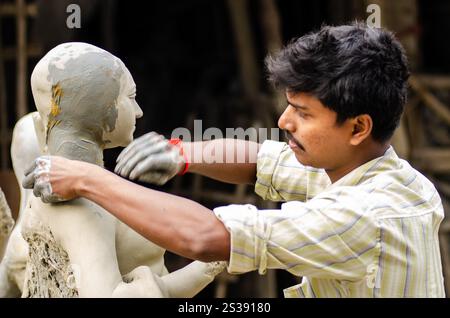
40,131
362,128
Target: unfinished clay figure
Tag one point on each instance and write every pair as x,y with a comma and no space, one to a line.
132,249
6,222
86,101
24,148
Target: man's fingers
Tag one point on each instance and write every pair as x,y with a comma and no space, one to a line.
37,190
29,180
156,162
133,158
158,178
131,152
138,141
131,146
130,161
51,198
127,161
30,168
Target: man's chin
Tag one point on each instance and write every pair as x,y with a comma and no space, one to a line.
300,158
303,159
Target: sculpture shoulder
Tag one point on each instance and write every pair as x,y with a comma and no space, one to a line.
67,217
81,207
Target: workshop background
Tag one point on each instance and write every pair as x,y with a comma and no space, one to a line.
203,59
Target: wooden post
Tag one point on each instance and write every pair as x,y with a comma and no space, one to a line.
400,16
4,140
445,252
245,49
271,26
21,28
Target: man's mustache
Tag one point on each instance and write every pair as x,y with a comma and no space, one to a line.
291,138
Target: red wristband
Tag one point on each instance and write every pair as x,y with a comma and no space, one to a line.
177,142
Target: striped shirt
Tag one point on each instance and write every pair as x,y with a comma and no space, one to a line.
372,233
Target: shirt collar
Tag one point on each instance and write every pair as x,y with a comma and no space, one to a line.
388,161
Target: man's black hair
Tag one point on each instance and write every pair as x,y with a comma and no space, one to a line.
352,69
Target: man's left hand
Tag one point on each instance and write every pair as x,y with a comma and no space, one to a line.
56,179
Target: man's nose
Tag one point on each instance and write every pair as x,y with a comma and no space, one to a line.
285,122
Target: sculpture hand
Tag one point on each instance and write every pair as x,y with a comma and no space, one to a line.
138,283
150,158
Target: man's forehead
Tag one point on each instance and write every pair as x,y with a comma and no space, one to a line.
298,99
306,101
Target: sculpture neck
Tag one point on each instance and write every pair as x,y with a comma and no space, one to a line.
75,145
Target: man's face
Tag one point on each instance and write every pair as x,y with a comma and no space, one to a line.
314,136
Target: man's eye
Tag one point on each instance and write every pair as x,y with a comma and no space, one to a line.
302,114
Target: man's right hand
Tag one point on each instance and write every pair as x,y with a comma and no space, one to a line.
150,158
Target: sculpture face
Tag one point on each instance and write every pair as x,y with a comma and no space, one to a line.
128,112
80,88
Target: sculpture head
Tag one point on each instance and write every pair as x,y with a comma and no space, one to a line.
82,90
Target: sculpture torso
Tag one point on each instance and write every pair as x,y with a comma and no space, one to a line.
90,234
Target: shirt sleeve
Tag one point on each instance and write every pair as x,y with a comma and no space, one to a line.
326,237
280,177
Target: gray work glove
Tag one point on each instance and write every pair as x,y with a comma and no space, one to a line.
150,158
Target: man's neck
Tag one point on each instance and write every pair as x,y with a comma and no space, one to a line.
361,157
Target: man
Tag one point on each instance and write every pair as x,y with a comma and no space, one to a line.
361,221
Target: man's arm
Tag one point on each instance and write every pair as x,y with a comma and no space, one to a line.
177,224
227,160
174,223
154,159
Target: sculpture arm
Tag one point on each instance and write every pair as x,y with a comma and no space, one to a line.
191,279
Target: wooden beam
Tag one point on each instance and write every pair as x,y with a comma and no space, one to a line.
415,123
10,53
429,159
10,9
430,100
435,81
443,187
